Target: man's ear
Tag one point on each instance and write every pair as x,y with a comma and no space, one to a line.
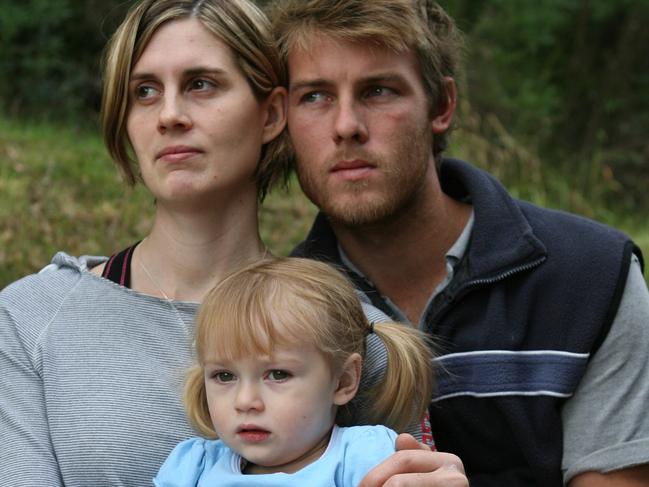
349,379
446,107
275,106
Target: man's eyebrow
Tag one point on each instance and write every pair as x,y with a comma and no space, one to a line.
309,84
195,71
368,80
383,78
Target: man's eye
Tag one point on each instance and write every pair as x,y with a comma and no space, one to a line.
312,97
378,91
278,375
223,376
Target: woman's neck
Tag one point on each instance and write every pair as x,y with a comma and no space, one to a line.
188,252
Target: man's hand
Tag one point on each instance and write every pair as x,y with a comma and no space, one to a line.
415,465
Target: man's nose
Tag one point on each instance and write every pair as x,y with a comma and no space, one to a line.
350,121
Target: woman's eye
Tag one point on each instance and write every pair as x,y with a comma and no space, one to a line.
278,375
201,84
144,92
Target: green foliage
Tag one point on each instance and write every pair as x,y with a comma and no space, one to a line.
569,79
49,60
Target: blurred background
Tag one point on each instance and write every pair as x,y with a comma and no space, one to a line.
554,102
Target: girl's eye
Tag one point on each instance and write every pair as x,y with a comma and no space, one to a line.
278,375
223,376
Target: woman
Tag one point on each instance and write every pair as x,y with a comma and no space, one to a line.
93,350
92,366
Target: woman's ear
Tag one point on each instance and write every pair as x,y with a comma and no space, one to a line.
349,379
275,107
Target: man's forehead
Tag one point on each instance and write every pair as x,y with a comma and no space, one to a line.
321,56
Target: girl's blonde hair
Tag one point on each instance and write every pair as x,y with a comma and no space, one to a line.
237,23
293,301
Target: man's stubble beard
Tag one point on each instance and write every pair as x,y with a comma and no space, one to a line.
402,187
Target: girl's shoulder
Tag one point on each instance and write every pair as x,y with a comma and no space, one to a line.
367,434
189,460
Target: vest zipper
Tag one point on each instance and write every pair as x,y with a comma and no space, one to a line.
464,288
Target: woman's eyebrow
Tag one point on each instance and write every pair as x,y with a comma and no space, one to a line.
194,71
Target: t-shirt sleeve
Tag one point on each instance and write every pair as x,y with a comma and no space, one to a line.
26,453
365,447
606,425
184,465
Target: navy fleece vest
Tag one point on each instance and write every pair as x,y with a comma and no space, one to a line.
530,303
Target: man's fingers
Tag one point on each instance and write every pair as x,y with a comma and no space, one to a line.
408,442
443,477
441,466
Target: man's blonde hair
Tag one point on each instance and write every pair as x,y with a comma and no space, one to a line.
419,26
237,23
293,302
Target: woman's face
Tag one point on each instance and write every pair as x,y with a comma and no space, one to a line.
194,122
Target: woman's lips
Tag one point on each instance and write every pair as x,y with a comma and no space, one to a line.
177,153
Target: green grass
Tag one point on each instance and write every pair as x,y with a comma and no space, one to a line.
60,191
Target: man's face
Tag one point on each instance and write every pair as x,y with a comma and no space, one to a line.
359,120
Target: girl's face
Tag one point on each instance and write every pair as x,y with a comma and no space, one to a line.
276,412
194,122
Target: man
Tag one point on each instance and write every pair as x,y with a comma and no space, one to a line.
541,318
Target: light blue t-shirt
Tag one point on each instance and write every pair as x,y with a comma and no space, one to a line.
351,453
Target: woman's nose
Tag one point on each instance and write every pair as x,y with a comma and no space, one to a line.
173,113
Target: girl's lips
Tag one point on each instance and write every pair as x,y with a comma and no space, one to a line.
253,435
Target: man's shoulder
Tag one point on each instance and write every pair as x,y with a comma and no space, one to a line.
576,235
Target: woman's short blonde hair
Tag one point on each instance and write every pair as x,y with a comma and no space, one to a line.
291,302
237,23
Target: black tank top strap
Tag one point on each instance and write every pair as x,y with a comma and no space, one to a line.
118,267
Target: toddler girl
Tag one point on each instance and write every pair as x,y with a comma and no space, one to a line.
279,346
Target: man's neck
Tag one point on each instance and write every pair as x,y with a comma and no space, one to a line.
405,257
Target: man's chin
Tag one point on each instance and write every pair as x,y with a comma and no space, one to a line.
353,215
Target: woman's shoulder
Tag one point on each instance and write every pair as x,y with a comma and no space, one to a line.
35,297
62,273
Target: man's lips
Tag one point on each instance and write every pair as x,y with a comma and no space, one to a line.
177,153
352,170
252,433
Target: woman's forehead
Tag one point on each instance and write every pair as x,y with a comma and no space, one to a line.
183,44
